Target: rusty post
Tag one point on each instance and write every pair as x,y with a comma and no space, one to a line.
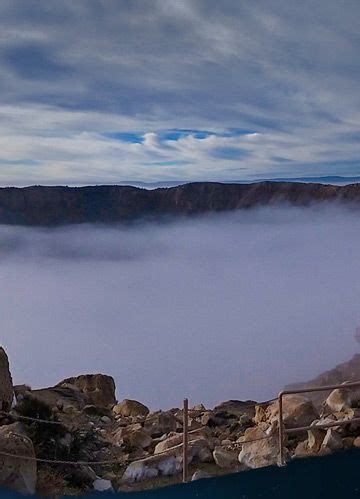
185,439
281,461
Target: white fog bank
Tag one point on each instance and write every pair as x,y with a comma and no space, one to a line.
231,306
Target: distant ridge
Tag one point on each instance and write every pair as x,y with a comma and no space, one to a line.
346,371
58,205
328,179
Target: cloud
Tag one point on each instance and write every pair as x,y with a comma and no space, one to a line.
288,72
204,308
34,62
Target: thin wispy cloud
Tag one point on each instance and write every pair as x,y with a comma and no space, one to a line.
109,91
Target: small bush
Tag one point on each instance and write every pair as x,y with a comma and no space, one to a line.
45,436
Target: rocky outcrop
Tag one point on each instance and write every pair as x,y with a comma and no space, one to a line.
17,473
99,389
6,386
63,398
38,205
78,421
346,372
131,408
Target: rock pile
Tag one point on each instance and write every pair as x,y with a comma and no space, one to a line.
84,422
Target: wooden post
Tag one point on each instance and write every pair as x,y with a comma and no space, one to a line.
281,431
185,439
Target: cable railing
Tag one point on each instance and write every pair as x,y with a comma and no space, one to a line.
284,431
184,445
188,414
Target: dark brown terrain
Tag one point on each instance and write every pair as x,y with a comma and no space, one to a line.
47,206
348,371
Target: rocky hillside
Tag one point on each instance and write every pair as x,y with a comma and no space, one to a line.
44,206
75,437
342,373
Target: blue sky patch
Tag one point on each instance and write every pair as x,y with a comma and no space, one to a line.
132,137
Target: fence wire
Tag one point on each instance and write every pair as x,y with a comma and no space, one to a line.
126,462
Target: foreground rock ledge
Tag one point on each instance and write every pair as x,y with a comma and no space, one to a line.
145,446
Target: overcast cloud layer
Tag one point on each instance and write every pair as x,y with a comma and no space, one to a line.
115,90
224,307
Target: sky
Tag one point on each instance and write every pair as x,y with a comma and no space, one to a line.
231,306
110,91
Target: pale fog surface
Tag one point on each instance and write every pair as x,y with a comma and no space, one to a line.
219,307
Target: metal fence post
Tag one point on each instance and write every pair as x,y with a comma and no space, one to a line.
281,431
185,439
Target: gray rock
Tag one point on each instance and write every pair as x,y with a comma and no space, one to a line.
163,464
225,458
18,473
101,485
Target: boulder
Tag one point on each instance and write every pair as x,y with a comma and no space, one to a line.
160,423
17,473
339,400
198,408
315,439
259,448
225,458
199,446
298,411
6,386
176,439
169,463
210,419
131,408
99,389
150,467
199,451
101,485
332,440
133,436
